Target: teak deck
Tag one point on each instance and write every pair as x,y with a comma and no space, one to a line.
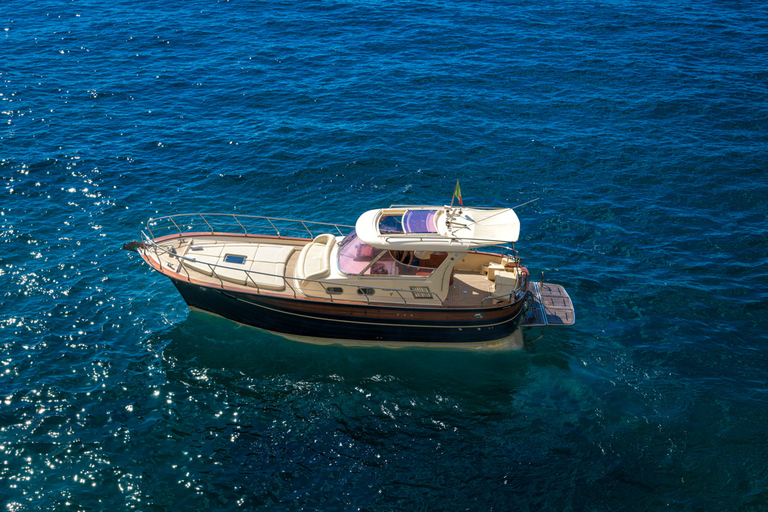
551,305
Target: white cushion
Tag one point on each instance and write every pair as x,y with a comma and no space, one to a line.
274,253
315,258
199,260
265,258
506,282
274,281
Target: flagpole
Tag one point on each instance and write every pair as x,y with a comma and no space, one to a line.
454,192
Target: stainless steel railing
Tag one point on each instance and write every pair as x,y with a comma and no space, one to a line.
182,223
149,244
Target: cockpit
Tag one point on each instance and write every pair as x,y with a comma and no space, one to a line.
358,258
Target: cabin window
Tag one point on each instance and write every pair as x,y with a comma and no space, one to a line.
232,258
420,221
334,290
365,291
391,224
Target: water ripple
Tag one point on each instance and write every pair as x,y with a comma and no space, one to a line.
639,128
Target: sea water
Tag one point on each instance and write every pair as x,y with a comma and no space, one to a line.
639,127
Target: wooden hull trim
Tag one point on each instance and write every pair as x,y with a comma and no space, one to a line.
355,322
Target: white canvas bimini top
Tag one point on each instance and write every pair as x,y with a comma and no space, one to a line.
437,228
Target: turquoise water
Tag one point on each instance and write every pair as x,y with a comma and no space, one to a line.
640,127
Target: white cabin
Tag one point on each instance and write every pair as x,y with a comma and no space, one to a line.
408,249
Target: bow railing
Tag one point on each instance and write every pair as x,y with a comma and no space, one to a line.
185,223
408,296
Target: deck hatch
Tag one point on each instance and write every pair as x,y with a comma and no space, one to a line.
232,258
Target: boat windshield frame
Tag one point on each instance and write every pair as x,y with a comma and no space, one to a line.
356,258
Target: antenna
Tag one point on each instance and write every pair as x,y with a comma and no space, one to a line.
525,203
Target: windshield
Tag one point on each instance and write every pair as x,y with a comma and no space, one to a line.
355,257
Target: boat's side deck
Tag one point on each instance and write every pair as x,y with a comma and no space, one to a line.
269,267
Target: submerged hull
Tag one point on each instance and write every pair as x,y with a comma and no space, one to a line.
359,322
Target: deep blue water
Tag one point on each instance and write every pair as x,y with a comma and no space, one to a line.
640,126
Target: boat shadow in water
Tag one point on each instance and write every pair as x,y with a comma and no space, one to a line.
226,353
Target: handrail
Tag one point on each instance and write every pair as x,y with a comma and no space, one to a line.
273,225
491,242
447,207
308,230
150,243
209,224
300,226
241,225
518,294
209,220
174,223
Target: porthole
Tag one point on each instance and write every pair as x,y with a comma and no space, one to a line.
365,291
334,290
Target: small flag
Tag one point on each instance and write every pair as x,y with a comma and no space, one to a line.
457,194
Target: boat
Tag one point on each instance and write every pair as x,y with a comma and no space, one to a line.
405,274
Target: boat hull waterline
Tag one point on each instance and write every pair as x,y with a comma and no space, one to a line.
353,321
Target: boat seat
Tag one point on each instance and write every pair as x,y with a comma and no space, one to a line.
315,258
273,253
203,257
506,283
271,260
273,281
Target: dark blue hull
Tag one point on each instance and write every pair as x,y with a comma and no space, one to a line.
360,322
